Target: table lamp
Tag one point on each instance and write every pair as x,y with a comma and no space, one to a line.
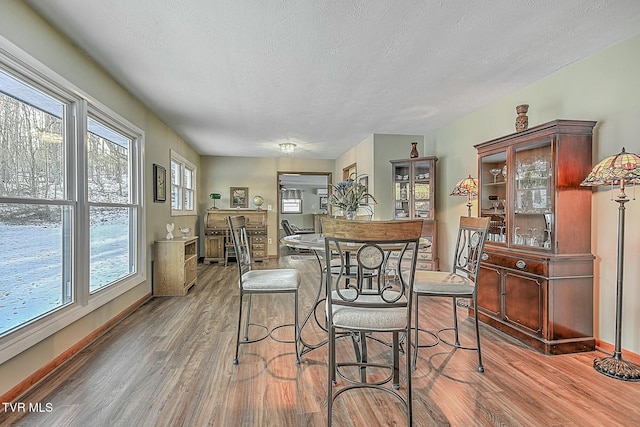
215,196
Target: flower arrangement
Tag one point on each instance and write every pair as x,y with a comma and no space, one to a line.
350,195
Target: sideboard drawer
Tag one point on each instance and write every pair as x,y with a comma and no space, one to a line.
526,265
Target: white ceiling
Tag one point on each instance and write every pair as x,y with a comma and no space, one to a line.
236,78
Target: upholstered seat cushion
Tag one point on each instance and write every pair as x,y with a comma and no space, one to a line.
278,279
442,282
354,317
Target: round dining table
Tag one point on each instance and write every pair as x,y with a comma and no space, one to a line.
314,242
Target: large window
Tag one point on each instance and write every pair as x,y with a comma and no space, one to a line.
35,241
183,186
70,216
112,215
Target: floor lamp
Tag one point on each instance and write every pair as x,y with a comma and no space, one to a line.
466,187
620,169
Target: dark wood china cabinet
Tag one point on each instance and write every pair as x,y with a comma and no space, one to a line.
536,277
414,184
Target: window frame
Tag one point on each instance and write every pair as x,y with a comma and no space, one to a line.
184,165
291,201
22,66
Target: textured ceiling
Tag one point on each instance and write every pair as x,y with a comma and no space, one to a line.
236,78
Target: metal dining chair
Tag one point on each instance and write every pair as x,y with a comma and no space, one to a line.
262,281
460,282
363,301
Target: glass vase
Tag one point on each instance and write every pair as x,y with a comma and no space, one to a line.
350,214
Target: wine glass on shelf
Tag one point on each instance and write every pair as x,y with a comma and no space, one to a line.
517,238
495,172
503,202
503,237
547,240
533,241
495,203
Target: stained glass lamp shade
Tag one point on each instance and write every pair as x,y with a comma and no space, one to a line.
467,187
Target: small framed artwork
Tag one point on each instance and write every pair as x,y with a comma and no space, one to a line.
239,197
159,183
324,202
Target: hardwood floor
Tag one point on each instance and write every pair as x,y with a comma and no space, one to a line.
169,364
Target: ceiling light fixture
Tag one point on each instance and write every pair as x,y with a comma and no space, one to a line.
288,147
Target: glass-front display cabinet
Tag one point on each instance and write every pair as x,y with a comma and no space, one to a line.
536,276
527,219
414,183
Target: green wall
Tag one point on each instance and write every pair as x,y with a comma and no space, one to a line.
260,175
603,87
25,34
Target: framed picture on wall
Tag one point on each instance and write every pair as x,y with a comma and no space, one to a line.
159,183
239,197
324,202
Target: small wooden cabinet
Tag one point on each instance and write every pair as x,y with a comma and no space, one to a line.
175,266
536,276
218,243
414,184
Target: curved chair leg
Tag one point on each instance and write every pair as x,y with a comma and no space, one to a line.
396,361
246,324
235,359
480,367
296,328
408,370
331,375
364,356
415,339
455,324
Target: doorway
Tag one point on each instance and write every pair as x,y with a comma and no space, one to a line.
302,199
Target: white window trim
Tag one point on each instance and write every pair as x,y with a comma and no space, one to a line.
14,59
175,157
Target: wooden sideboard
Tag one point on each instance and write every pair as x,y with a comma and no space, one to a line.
218,244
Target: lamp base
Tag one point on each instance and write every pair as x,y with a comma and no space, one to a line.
616,368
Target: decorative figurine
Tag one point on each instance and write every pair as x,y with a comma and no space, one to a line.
169,231
522,121
414,150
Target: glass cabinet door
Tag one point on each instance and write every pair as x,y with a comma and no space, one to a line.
533,197
422,189
401,189
494,178
412,188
